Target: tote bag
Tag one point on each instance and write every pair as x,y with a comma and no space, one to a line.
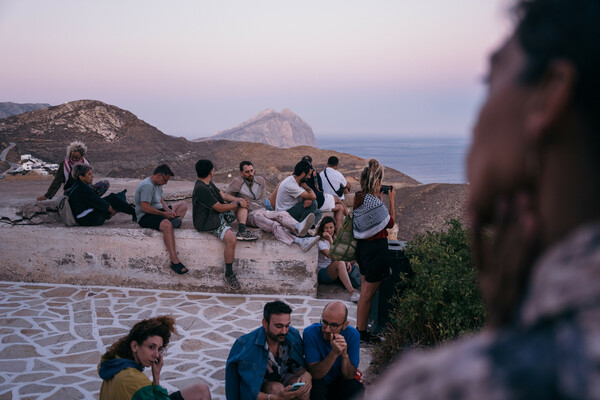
343,247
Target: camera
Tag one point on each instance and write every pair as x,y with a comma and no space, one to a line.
385,189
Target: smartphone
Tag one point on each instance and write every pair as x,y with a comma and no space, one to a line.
296,386
385,188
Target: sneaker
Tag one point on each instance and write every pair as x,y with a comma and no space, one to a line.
232,282
355,296
246,236
308,243
176,222
303,227
368,338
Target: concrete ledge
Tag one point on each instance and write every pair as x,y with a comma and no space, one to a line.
137,257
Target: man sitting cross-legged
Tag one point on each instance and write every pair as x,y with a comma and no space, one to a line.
263,364
280,223
332,351
212,214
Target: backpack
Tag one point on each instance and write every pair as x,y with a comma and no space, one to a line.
64,211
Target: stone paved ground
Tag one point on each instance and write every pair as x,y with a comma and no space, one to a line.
52,336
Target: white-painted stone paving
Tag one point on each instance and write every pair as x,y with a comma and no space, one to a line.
52,336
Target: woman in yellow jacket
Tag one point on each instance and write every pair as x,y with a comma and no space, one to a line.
121,366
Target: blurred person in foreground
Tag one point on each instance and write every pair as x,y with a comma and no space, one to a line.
534,173
121,366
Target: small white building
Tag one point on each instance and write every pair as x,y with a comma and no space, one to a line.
25,157
28,165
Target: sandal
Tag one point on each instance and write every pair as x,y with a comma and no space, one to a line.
232,282
179,268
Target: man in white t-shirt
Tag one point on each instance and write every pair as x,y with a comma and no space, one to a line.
294,195
334,182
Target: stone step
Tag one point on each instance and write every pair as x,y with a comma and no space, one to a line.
117,255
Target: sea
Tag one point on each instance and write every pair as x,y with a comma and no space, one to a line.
428,160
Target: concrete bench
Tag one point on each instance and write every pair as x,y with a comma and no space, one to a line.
113,255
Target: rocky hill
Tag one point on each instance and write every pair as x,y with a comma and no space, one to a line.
8,108
284,129
121,145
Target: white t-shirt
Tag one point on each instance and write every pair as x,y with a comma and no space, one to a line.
323,261
288,194
336,178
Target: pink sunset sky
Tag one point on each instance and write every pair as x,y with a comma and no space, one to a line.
192,68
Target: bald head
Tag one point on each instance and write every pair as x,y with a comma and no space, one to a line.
336,309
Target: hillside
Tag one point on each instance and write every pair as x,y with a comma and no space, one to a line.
121,145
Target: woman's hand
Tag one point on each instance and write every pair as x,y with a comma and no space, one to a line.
348,267
156,368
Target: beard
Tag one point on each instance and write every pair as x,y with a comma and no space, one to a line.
249,180
278,338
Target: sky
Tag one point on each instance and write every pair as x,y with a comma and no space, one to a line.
403,68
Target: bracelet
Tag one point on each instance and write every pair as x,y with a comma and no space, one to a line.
269,397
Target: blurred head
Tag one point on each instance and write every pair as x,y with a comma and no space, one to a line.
83,172
204,168
145,341
327,224
247,170
370,178
76,151
334,319
537,129
276,320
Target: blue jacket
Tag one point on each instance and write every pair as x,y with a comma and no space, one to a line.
247,363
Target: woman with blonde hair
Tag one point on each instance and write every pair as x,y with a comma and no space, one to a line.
121,366
75,155
371,221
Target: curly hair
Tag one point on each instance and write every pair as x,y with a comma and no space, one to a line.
322,224
370,176
162,326
77,146
80,170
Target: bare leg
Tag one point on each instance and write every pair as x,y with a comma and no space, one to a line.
337,269
338,215
166,227
198,391
230,242
272,387
363,308
179,208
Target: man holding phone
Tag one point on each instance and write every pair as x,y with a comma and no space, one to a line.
332,350
268,363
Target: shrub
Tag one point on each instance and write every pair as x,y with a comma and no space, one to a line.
440,301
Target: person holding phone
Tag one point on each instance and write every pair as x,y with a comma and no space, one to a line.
266,363
121,366
332,350
371,221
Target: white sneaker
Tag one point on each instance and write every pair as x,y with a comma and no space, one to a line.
355,296
303,227
308,243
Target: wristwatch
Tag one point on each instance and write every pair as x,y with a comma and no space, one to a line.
239,204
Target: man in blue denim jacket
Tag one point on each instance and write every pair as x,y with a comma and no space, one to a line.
263,364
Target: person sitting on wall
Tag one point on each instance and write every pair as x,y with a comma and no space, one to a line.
332,350
213,212
153,212
121,366
279,223
334,182
87,207
75,155
325,201
295,196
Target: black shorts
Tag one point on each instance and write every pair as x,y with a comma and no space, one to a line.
176,396
152,221
372,258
